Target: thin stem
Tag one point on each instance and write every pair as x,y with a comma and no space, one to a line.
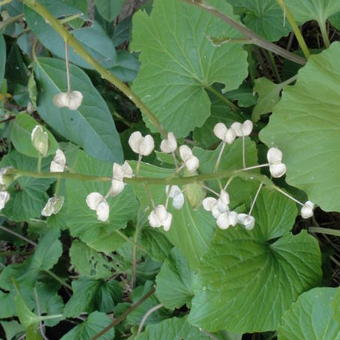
138,164
41,323
228,182
67,63
326,231
51,317
211,190
256,39
274,66
219,157
123,316
295,28
243,152
18,235
287,195
10,20
255,167
324,33
134,257
223,98
105,74
146,315
57,278
122,235
255,198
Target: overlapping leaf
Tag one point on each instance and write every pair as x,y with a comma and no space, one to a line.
305,126
249,278
178,62
2,57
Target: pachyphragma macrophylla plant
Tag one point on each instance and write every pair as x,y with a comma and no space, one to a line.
186,164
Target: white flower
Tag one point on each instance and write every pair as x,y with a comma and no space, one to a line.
246,220
307,210
176,194
71,100
119,173
4,197
39,139
96,201
242,129
222,132
141,145
159,216
53,206
276,167
169,144
59,162
217,206
191,162
227,219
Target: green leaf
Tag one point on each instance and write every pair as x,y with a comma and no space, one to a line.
174,281
336,306
95,323
82,221
28,194
249,278
91,295
178,62
11,329
310,317
94,130
264,17
126,67
191,229
269,95
304,125
87,262
172,329
94,38
2,57
21,129
109,9
156,243
319,10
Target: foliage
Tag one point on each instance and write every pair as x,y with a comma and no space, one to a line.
163,169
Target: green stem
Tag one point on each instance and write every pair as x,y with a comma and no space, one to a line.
324,33
223,98
274,66
39,164
57,278
105,74
255,39
295,28
10,20
326,231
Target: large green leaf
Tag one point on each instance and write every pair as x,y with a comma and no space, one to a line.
319,10
109,9
264,17
172,329
249,278
336,306
310,317
175,281
21,129
91,126
91,295
191,229
95,323
94,38
178,62
82,221
28,194
2,58
305,126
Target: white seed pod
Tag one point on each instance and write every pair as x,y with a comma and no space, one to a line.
3,172
246,220
53,206
209,203
227,219
96,201
60,99
128,172
185,152
277,170
247,127
4,198
58,163
39,139
74,100
191,162
169,144
116,187
274,156
224,134
141,145
159,216
237,128
307,210
177,196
